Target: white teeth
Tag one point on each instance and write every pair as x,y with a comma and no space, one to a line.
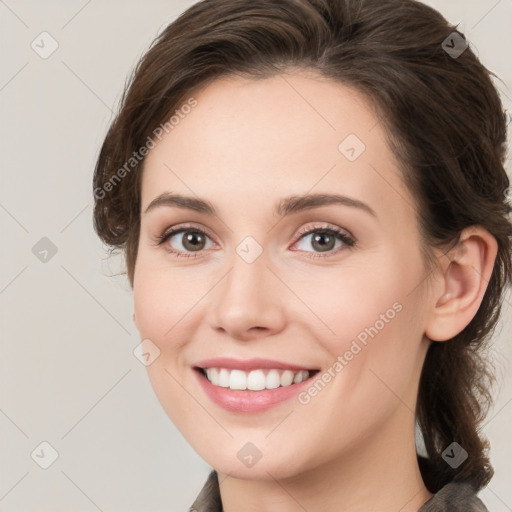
212,374
273,380
287,378
300,376
223,379
255,380
238,379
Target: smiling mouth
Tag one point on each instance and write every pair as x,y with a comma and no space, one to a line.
254,380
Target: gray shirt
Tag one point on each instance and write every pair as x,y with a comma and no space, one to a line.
453,497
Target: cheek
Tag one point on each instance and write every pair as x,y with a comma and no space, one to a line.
161,305
348,302
373,320
164,301
371,376
339,304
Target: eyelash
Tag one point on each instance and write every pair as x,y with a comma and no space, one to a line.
347,239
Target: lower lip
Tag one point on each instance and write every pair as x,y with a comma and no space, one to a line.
249,401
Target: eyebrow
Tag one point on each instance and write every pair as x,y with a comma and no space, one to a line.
286,206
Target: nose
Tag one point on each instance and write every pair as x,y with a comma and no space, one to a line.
248,303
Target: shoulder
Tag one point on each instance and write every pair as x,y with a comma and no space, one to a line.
454,497
208,499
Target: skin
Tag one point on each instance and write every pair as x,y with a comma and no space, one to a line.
246,145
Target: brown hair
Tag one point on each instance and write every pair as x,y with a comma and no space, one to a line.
444,121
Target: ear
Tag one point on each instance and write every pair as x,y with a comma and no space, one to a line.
462,283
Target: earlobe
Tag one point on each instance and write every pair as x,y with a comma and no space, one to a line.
463,284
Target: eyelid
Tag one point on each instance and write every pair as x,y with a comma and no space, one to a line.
324,226
349,241
173,230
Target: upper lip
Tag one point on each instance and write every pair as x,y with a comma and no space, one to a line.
249,364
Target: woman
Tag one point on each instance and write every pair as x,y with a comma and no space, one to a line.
311,198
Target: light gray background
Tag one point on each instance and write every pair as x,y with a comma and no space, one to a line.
69,376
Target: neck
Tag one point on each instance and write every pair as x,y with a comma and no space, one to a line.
381,473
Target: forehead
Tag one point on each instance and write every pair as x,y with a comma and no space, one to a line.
287,134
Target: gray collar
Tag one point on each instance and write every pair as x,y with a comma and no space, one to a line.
453,497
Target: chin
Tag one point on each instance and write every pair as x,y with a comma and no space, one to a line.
277,465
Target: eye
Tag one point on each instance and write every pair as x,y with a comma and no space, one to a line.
190,241
325,239
185,240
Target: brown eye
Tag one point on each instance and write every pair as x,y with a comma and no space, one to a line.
324,240
183,241
193,240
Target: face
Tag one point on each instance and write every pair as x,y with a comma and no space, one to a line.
323,302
